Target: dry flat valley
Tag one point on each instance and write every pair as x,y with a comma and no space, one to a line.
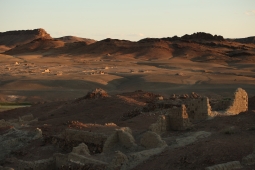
158,103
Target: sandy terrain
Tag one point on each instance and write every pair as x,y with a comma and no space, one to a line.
140,80
72,77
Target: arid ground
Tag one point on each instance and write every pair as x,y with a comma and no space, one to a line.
53,74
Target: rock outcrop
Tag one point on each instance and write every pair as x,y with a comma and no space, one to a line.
72,39
97,93
94,94
202,36
20,37
245,40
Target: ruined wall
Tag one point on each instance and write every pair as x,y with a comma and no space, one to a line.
226,166
177,119
198,109
239,102
160,125
21,121
38,165
122,137
221,104
152,140
83,136
16,139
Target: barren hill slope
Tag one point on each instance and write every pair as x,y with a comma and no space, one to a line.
71,39
198,47
245,40
36,45
20,37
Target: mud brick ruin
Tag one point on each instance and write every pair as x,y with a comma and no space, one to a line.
119,148
194,110
198,109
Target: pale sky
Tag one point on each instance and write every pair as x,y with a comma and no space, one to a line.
130,19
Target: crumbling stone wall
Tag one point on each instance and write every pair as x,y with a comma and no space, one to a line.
6,168
160,125
72,138
198,109
122,137
222,104
226,166
83,136
3,123
83,160
75,161
118,161
177,119
81,149
22,121
152,140
16,139
239,102
38,165
232,105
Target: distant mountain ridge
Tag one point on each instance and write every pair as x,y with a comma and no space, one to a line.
71,39
245,40
199,46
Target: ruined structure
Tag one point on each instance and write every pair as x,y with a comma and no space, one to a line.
81,149
232,105
40,164
160,125
72,138
152,140
175,119
226,166
122,138
238,103
16,139
198,109
21,121
109,146
94,94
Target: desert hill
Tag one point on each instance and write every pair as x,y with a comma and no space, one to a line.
37,45
245,40
199,47
20,37
71,39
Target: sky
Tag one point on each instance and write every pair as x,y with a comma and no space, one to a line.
130,19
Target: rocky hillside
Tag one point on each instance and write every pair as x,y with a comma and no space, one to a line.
199,47
71,39
245,40
20,37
